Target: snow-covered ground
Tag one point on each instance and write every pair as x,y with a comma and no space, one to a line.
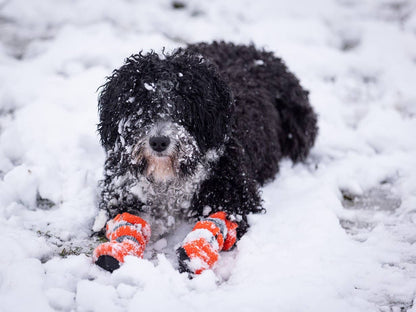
340,231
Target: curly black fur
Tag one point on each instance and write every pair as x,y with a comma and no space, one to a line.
240,104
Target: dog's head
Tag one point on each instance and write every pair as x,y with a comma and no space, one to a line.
165,113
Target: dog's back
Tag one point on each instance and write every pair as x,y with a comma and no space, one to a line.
273,117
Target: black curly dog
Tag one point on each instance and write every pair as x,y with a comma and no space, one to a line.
199,131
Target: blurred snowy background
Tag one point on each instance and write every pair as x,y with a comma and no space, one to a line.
340,232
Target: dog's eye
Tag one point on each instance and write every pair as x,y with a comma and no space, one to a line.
165,85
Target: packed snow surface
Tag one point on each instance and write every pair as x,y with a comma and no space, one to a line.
340,229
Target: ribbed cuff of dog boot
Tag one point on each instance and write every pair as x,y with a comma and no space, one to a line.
127,220
128,235
200,248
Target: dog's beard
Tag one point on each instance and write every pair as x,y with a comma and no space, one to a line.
160,169
156,167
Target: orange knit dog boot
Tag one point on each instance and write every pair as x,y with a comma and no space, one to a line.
200,248
128,235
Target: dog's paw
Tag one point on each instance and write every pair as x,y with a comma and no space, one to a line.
200,248
128,235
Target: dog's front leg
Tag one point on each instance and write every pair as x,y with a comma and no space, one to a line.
128,235
200,248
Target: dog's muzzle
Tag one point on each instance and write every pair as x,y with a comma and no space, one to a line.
163,144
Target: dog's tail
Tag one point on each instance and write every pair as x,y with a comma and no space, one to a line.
298,122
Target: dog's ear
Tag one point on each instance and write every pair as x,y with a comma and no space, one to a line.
209,101
108,110
120,94
202,101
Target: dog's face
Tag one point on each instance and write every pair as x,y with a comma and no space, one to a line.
165,114
165,150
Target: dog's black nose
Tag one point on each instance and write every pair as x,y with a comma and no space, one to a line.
160,143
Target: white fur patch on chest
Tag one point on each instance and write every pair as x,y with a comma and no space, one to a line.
166,202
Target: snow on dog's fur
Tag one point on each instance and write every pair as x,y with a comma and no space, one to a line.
230,113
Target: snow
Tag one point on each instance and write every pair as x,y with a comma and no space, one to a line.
339,232
150,87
